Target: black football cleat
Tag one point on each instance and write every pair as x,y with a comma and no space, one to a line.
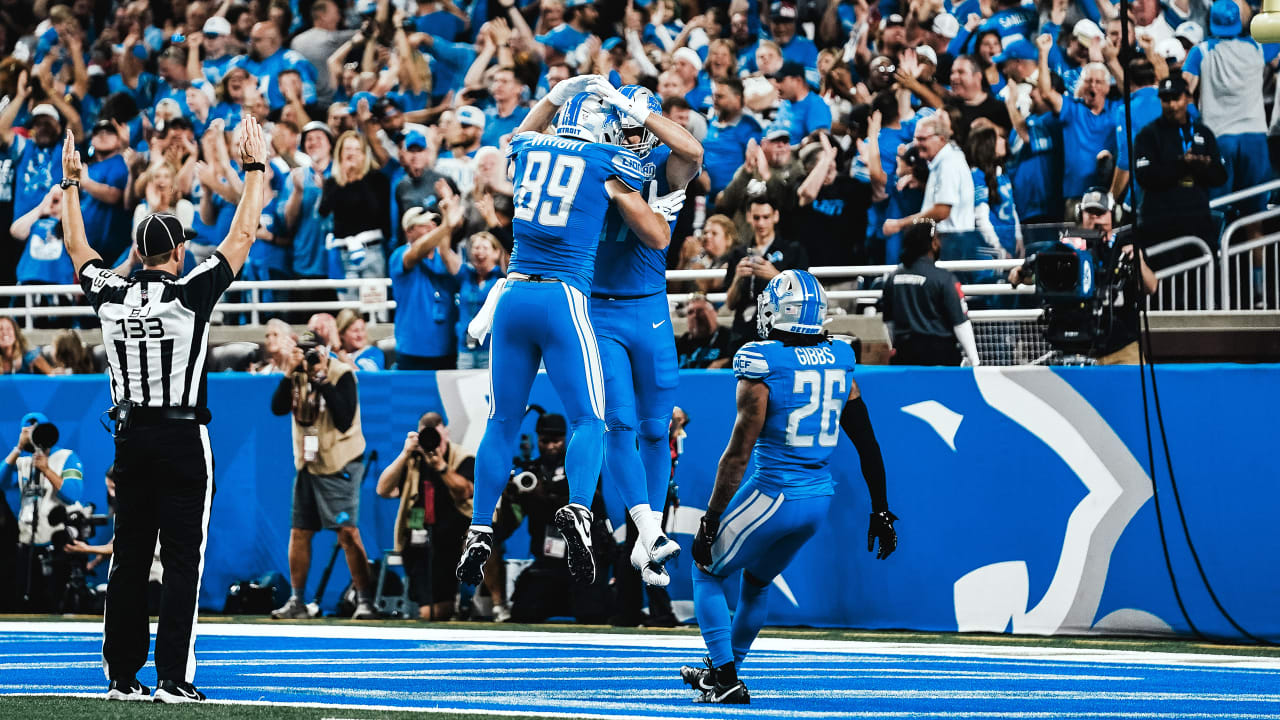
574,522
735,694
698,678
477,551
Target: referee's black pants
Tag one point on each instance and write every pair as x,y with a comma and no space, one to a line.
920,349
164,484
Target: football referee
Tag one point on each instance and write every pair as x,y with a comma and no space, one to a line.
155,328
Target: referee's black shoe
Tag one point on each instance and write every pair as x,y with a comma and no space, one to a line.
474,555
170,691
574,522
129,689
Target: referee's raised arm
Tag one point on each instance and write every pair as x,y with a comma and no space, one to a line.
72,221
244,226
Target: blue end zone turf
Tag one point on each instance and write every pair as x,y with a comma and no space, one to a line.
595,675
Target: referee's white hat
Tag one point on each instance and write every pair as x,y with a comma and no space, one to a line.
159,233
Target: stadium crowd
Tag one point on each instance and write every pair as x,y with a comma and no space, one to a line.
828,127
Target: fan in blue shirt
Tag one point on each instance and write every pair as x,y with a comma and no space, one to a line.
801,110
268,58
43,261
637,346
38,164
564,183
1088,121
728,134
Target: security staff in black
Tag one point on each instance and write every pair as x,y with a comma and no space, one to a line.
923,307
155,328
1177,162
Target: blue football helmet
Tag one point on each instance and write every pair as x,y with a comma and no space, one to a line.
793,302
586,117
649,141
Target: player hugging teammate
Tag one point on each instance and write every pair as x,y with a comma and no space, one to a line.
569,187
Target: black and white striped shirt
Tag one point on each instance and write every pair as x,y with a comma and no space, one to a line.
155,329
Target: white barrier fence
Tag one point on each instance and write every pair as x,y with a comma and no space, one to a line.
371,294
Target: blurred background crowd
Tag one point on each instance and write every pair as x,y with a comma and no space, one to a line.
828,125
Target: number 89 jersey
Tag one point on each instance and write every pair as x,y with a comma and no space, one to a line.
560,203
808,386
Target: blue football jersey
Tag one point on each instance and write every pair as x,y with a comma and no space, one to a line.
808,386
560,203
624,264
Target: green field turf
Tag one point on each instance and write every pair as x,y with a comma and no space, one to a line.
49,707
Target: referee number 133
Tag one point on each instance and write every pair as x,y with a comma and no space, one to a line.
140,328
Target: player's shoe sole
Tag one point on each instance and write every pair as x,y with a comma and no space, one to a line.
471,564
574,522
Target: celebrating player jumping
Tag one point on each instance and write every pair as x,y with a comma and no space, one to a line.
629,311
563,185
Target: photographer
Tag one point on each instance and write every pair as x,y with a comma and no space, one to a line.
328,452
538,488
51,480
434,480
1119,344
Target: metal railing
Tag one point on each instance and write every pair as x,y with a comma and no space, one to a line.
373,298
1248,192
1257,287
1186,285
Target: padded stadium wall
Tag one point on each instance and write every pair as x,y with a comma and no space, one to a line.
1023,493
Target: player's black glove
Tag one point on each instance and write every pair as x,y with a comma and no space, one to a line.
881,527
706,537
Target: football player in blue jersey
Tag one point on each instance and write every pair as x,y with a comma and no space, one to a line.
630,313
795,393
563,185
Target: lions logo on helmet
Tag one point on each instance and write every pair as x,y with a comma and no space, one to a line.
585,117
793,301
648,141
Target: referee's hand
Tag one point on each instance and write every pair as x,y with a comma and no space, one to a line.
71,165
253,147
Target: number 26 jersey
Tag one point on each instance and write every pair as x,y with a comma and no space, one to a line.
808,386
560,203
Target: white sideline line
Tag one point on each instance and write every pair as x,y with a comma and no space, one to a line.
685,642
1033,715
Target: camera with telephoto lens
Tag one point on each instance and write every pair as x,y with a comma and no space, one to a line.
77,525
429,440
525,475
313,357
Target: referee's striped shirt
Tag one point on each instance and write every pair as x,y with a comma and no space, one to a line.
155,330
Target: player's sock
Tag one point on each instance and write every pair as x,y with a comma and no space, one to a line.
712,610
749,616
582,460
725,675
642,516
655,456
493,467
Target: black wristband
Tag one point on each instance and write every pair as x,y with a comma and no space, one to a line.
69,182
250,167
